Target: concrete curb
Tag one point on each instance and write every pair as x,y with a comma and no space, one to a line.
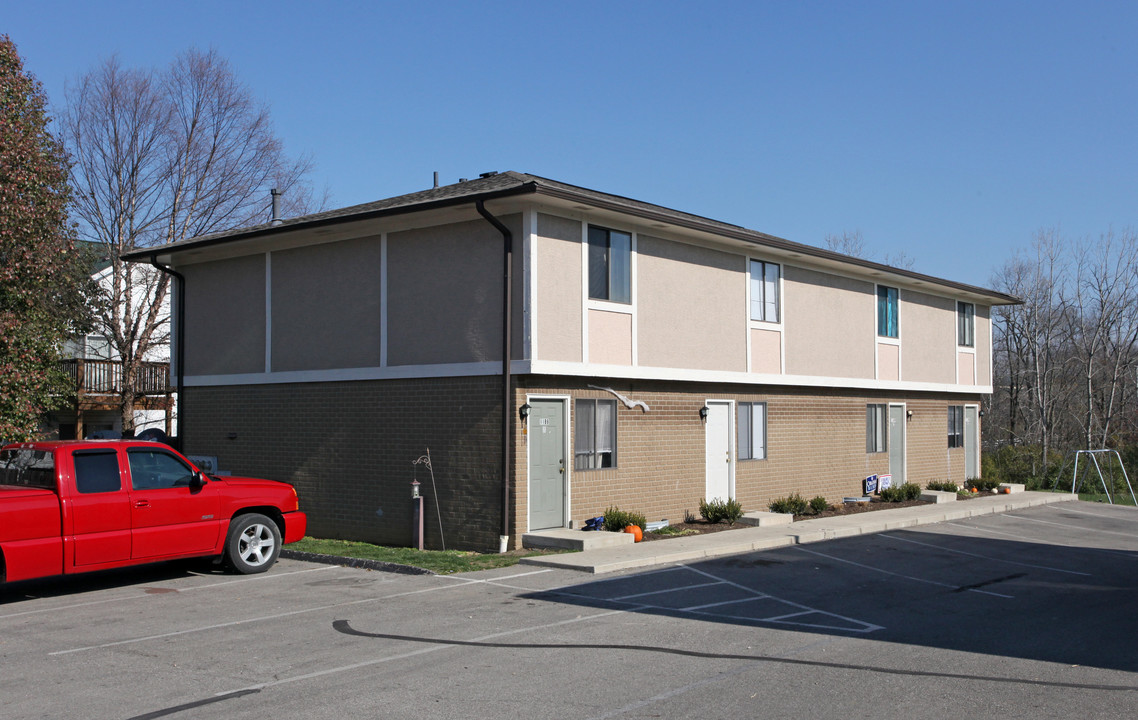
745,540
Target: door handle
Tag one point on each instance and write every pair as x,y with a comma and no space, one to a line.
142,503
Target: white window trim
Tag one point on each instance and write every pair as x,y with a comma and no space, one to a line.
588,303
763,324
766,439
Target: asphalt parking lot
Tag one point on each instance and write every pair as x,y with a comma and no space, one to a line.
1023,614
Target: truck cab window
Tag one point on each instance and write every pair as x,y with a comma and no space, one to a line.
96,471
153,470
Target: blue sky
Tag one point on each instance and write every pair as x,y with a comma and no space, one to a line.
949,131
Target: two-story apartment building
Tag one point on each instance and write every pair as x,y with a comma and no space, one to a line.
657,358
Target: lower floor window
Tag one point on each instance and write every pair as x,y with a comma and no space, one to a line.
752,431
955,426
595,437
875,428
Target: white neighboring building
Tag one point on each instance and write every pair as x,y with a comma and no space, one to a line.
93,359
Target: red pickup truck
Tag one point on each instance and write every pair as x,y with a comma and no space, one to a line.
77,506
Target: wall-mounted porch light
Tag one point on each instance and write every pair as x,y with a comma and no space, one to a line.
909,414
703,413
523,412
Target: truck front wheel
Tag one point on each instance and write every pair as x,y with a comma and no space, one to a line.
253,544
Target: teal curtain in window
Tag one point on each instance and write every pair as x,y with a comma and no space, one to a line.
886,311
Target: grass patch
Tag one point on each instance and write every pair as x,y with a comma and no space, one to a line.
1120,498
673,531
443,562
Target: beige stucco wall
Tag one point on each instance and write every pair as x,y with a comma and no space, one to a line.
444,294
928,337
691,306
830,324
766,351
610,338
983,345
557,326
888,361
225,316
326,306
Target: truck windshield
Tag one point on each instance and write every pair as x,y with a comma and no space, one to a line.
28,468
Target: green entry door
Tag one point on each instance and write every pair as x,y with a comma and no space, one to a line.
547,476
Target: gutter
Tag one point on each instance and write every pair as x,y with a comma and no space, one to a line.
507,399
179,340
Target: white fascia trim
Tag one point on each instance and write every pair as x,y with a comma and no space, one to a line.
548,367
396,372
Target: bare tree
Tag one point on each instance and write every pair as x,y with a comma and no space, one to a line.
1105,300
848,243
851,243
161,157
1031,337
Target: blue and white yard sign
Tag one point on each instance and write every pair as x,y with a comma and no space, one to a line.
871,485
884,481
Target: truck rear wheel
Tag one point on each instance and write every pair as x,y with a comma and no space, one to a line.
253,544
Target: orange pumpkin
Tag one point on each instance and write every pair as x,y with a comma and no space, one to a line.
635,531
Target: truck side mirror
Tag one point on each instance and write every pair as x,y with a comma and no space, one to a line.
197,480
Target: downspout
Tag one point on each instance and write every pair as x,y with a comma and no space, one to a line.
507,399
180,349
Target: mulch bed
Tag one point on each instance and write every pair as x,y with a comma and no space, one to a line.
701,527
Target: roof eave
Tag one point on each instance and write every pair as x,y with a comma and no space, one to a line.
145,254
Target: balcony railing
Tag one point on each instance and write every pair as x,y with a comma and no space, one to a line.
104,377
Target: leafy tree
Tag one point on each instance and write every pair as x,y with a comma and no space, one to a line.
161,157
44,278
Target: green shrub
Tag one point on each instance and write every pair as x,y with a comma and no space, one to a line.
944,486
793,504
819,505
982,484
898,493
616,520
717,510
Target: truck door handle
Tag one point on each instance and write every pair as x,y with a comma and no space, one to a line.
142,503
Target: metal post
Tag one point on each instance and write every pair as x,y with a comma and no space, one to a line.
416,516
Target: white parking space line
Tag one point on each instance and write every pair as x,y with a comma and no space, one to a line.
261,618
433,648
1084,528
982,557
143,596
865,627
667,590
1105,516
905,577
1038,541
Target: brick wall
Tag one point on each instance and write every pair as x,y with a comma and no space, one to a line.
815,446
348,447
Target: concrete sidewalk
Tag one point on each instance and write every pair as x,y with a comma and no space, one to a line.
750,539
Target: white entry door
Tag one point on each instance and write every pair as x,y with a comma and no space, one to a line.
719,441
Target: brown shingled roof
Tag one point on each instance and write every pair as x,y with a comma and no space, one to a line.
505,184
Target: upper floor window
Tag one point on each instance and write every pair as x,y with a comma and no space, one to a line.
764,291
887,311
89,347
965,324
610,265
752,431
